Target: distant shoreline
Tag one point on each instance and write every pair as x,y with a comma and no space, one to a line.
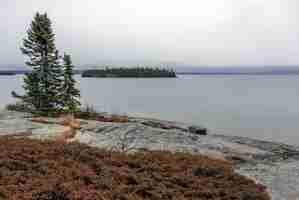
137,72
79,72
251,74
4,73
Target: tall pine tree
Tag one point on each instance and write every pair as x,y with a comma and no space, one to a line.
69,93
42,84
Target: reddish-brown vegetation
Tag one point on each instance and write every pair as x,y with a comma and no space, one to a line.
90,113
41,120
115,119
65,120
44,170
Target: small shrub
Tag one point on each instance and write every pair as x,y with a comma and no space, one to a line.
26,108
87,112
19,107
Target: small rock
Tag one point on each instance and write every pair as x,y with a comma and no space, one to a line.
152,124
197,130
238,159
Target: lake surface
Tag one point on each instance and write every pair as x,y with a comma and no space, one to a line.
261,107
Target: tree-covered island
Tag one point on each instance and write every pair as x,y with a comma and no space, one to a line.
136,72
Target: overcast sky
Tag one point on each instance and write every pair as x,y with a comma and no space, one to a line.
193,32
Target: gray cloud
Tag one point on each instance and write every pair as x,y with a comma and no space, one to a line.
214,32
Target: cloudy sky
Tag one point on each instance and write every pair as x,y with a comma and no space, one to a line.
192,32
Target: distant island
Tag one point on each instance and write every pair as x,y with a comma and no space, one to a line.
7,73
137,72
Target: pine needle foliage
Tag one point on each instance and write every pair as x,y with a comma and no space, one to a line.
69,93
43,82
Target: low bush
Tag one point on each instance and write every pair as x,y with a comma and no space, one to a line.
19,107
26,108
87,112
90,113
44,170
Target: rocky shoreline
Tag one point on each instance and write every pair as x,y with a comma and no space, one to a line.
272,164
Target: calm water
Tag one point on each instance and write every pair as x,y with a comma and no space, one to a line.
262,107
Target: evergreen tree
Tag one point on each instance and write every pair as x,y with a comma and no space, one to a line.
69,93
32,87
43,82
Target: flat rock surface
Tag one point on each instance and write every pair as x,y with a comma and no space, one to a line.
274,165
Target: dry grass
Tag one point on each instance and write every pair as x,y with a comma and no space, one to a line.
44,170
